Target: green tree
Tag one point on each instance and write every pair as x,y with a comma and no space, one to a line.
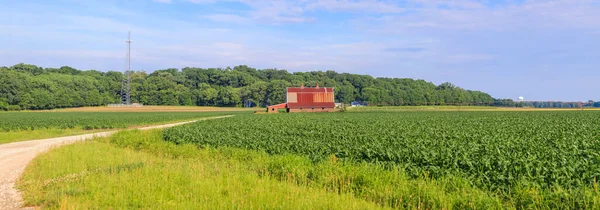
33,87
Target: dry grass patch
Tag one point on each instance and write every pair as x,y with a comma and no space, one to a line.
153,109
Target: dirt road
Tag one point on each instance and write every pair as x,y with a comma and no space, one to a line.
14,157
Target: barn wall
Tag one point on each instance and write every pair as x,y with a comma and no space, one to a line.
313,110
308,98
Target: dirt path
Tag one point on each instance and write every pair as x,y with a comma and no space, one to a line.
14,157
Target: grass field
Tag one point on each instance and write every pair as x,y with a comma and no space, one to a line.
139,170
426,160
20,126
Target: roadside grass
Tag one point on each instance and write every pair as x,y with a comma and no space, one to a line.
99,175
137,169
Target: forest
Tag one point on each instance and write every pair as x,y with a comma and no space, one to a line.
26,86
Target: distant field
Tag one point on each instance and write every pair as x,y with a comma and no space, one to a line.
457,108
417,108
19,126
24,135
152,109
91,120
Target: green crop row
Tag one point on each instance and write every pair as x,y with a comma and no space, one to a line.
494,150
91,120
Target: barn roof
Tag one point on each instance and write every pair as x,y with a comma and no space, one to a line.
309,90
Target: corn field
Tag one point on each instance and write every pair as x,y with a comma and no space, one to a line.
493,150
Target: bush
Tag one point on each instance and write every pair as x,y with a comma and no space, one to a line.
3,106
343,108
14,108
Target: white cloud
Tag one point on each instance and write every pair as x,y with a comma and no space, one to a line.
98,54
465,58
81,59
294,11
355,6
277,11
471,15
204,1
454,4
229,18
456,14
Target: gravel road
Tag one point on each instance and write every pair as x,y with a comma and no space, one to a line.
14,157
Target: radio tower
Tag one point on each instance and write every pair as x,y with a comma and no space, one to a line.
126,89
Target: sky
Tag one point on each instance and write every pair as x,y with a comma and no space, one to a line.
538,49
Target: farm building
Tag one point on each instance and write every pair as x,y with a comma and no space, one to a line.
307,99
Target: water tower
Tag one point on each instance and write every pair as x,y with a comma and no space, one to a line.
521,99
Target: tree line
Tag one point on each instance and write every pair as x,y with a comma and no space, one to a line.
546,104
25,86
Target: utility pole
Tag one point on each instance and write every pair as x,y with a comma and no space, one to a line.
126,89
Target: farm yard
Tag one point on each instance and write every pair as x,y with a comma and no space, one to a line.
368,160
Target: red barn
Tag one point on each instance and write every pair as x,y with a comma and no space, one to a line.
307,99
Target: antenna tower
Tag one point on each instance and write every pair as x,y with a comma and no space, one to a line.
126,89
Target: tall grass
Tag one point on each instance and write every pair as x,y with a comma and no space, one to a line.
99,175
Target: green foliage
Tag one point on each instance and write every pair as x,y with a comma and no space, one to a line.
33,87
545,104
554,154
14,121
13,108
3,106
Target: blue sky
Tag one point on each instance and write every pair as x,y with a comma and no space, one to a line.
539,49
